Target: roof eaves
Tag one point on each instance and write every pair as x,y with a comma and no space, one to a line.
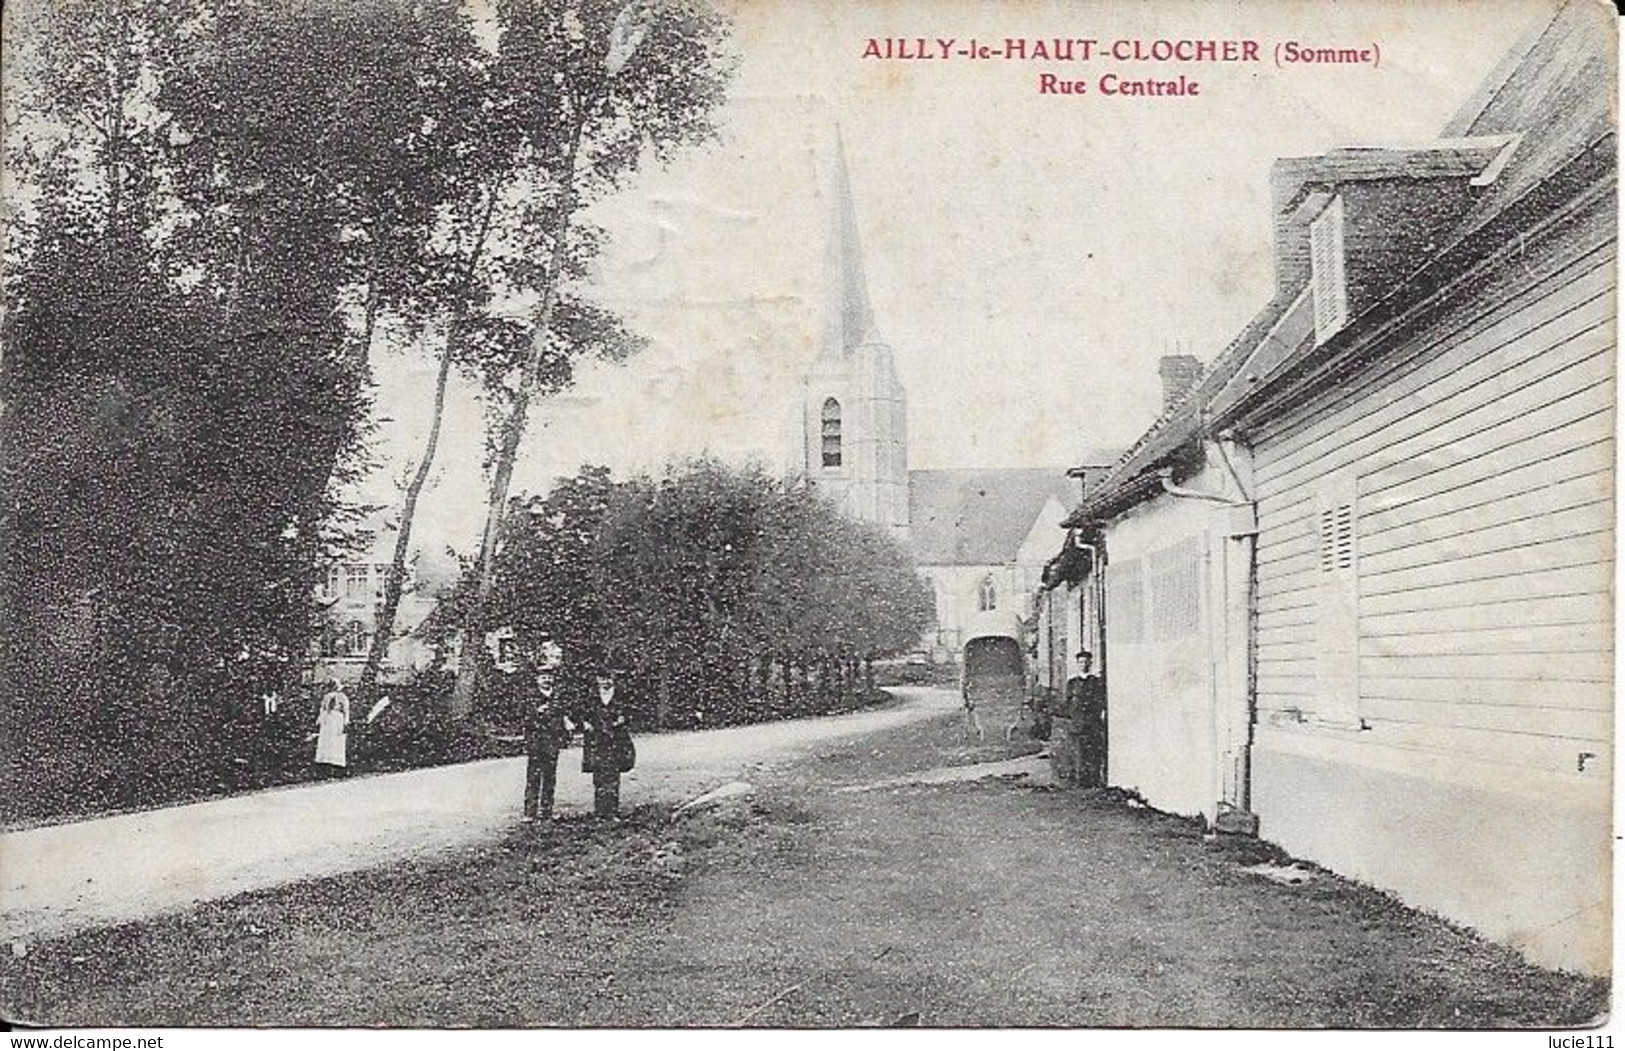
1186,418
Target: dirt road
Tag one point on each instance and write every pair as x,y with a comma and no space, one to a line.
63,878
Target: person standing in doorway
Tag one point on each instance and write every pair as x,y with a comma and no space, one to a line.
607,751
547,732
332,723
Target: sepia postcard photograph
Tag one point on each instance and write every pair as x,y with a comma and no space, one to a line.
807,514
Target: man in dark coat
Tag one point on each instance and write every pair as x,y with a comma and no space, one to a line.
606,743
547,731
1087,703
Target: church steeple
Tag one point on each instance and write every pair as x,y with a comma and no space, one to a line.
850,320
853,415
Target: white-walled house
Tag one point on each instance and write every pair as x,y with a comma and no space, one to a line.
350,599
1358,581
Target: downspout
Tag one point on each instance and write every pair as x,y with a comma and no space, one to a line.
1097,600
1097,593
1211,621
1250,551
1244,771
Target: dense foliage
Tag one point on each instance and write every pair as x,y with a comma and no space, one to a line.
723,594
214,210
630,80
183,398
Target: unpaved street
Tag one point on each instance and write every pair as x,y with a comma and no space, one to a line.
62,878
910,876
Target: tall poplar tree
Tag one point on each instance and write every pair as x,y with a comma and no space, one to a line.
594,87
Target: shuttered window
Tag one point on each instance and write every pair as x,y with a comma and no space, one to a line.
1326,270
1176,580
1337,642
1337,538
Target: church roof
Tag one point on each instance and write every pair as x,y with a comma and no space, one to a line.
979,517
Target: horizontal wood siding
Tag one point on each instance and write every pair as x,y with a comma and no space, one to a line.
1483,451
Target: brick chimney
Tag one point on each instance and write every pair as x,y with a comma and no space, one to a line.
1179,374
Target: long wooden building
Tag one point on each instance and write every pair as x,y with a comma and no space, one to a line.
1359,583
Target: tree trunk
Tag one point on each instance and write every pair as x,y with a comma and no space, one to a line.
384,625
394,581
462,699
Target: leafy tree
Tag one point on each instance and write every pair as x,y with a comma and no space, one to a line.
184,376
701,582
591,87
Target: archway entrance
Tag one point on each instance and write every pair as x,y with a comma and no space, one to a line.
994,669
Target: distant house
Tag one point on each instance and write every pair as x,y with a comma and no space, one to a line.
351,599
1357,583
1070,603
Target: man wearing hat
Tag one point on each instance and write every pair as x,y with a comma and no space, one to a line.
606,742
547,731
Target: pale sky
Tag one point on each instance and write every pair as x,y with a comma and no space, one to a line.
1029,257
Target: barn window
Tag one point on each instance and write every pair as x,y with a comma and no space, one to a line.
831,432
987,595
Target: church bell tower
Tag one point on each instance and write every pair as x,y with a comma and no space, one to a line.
854,417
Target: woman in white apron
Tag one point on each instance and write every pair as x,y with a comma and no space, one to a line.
331,723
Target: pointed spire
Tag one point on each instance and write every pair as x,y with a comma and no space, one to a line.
850,320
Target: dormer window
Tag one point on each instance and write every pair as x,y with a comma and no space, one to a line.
1326,270
830,430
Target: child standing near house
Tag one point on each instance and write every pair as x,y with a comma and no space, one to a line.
332,723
